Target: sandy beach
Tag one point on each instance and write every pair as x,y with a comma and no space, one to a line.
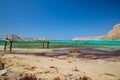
64,67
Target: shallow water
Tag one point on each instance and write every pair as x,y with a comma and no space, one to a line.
107,45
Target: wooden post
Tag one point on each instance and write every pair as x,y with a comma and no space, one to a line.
5,45
11,45
48,44
42,44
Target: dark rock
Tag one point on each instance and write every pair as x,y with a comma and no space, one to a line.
27,76
1,65
86,78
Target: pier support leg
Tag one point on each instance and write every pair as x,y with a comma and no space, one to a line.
11,45
43,44
48,44
5,45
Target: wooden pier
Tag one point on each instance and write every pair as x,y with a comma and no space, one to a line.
11,43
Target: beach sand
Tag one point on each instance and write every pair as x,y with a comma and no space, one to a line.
66,67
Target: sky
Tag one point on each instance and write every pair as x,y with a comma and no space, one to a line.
58,19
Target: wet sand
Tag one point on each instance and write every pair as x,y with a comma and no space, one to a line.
83,53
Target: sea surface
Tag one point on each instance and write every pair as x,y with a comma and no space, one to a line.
92,49
106,45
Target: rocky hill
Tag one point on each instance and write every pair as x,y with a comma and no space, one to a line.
87,38
114,34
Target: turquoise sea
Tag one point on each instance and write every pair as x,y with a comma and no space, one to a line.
94,44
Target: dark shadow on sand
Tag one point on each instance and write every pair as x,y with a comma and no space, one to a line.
84,53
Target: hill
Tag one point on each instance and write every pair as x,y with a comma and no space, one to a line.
114,34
